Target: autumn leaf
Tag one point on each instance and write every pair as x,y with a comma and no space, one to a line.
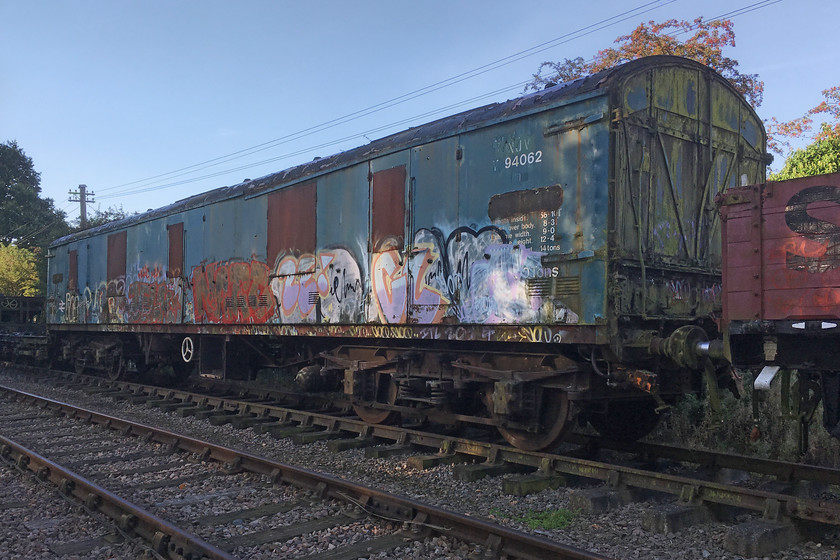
705,44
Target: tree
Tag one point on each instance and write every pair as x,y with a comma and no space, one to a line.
705,46
822,156
801,127
26,220
18,271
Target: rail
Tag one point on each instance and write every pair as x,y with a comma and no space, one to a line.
501,540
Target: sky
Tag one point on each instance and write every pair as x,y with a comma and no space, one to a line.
148,102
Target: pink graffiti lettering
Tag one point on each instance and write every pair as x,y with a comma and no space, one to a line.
389,286
329,282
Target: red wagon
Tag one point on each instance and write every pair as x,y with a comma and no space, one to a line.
781,284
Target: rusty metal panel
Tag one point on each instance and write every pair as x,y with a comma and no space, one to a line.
153,294
108,301
741,256
291,221
389,277
116,256
792,263
231,292
175,262
73,271
291,247
387,213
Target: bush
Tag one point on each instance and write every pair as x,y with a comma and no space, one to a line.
692,423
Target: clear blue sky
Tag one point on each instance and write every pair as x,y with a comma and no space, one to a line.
111,93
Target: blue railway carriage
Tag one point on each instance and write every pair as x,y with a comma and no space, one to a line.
550,257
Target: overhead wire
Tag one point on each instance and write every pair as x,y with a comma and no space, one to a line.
458,78
164,181
319,146
43,228
397,100
65,209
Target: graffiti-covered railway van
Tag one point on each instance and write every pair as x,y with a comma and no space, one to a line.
552,257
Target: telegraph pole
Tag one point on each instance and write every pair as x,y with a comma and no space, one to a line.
82,197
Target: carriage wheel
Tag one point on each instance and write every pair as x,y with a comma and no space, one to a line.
117,368
383,391
554,422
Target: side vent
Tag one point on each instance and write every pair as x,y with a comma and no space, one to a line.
539,287
568,286
564,287
250,302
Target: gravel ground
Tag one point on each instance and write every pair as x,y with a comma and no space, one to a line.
201,489
618,534
35,518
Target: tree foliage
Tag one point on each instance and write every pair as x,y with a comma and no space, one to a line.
25,219
99,217
705,45
18,271
822,156
828,109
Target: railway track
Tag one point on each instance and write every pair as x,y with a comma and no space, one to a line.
46,431
777,513
38,522
308,418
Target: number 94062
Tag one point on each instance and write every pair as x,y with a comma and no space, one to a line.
524,159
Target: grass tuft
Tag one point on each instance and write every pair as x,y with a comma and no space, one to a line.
548,519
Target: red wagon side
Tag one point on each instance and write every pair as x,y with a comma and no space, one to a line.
781,282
